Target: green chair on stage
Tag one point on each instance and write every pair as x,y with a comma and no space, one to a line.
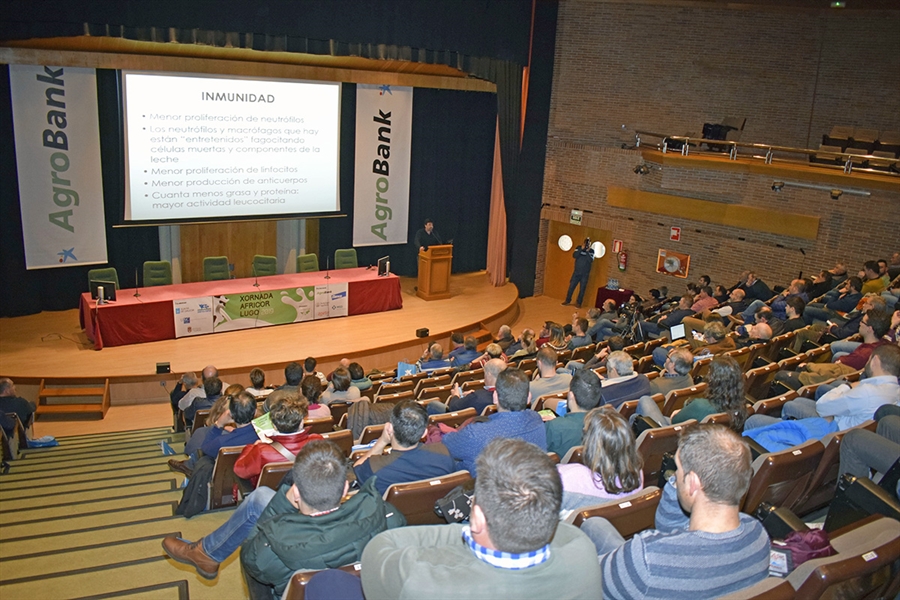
264,266
215,268
157,272
345,258
107,274
307,263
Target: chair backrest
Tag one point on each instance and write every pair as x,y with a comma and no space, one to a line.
453,419
549,401
773,406
864,567
822,354
345,258
215,268
759,379
629,515
432,381
779,478
399,386
416,499
199,419
718,419
394,398
777,343
461,377
676,399
472,385
296,587
320,425
645,364
574,455
438,391
528,364
370,433
700,368
223,479
157,272
307,263
105,274
343,438
628,408
489,410
273,473
584,352
635,350
264,265
823,482
339,409
653,443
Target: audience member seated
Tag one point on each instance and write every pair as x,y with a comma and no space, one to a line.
848,405
258,383
756,289
704,300
186,383
844,300
309,368
527,348
872,327
863,451
725,394
11,403
621,382
566,431
796,289
358,378
340,390
287,417
212,389
676,373
793,310
504,337
433,358
703,546
237,406
311,389
715,340
822,283
513,547
490,353
764,315
409,460
293,375
753,334
579,334
611,463
839,274
478,399
556,340
735,303
616,342
676,317
513,419
597,317
200,391
465,350
873,283
550,381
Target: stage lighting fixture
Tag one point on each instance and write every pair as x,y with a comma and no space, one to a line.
777,186
835,194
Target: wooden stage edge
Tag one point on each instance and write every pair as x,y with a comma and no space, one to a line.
52,346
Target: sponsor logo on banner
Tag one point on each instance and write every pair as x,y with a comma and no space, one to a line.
57,138
383,143
193,316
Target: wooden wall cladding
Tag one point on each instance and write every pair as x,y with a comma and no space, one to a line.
238,241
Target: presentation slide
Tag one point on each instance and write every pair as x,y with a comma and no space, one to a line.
210,147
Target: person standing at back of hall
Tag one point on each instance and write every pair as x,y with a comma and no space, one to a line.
584,259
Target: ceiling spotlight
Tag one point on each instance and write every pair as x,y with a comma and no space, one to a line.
777,186
835,194
641,170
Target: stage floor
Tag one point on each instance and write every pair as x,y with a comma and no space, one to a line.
52,345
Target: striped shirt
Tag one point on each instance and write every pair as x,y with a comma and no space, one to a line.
674,563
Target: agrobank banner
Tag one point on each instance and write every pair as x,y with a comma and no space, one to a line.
383,142
58,158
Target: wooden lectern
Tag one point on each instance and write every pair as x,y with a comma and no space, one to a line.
434,272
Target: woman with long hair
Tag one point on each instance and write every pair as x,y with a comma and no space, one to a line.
557,339
612,465
529,347
725,394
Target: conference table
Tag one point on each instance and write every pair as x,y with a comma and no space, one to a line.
150,316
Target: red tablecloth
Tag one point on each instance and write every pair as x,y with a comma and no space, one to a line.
150,317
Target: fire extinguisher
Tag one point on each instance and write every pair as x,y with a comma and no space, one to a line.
623,260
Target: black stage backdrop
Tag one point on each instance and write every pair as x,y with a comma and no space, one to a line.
450,179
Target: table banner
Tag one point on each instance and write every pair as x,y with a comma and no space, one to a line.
248,310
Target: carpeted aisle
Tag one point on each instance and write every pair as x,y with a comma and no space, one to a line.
85,520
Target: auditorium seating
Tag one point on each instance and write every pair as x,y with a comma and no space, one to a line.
629,515
215,268
416,499
453,419
307,263
157,272
780,478
264,265
345,258
342,437
676,399
273,473
296,588
223,480
107,274
653,443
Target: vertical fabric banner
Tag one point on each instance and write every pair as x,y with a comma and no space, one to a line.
57,136
383,143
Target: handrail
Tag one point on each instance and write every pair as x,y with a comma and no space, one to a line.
848,158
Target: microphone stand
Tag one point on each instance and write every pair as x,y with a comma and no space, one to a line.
327,267
255,277
137,293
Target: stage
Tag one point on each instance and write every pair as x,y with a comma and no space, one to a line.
52,345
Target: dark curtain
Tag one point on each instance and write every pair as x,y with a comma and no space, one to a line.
29,292
450,179
524,213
